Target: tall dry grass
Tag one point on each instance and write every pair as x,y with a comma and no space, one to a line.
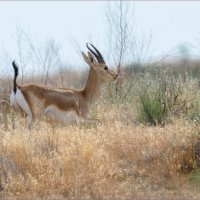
119,159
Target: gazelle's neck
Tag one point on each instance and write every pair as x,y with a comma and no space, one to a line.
92,87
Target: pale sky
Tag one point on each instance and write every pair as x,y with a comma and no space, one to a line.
170,24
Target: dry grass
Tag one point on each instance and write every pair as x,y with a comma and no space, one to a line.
116,160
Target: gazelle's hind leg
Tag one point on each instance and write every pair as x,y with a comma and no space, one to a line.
13,100
29,121
21,101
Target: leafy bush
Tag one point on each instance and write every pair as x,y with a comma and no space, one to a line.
153,110
195,176
166,96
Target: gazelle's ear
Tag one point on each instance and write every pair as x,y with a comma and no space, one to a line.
87,60
92,58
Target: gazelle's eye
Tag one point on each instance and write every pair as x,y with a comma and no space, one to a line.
106,68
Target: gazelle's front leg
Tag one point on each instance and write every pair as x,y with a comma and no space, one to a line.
92,121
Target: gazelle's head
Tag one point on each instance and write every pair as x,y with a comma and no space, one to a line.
96,62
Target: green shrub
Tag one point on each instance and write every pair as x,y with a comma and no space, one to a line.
153,111
195,176
165,97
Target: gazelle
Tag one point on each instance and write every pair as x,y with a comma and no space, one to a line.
62,104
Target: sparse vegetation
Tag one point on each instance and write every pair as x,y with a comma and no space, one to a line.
120,159
167,96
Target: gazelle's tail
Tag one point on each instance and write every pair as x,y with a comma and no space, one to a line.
15,76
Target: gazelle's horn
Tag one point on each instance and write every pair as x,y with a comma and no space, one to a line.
97,54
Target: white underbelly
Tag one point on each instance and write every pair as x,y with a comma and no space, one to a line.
55,114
